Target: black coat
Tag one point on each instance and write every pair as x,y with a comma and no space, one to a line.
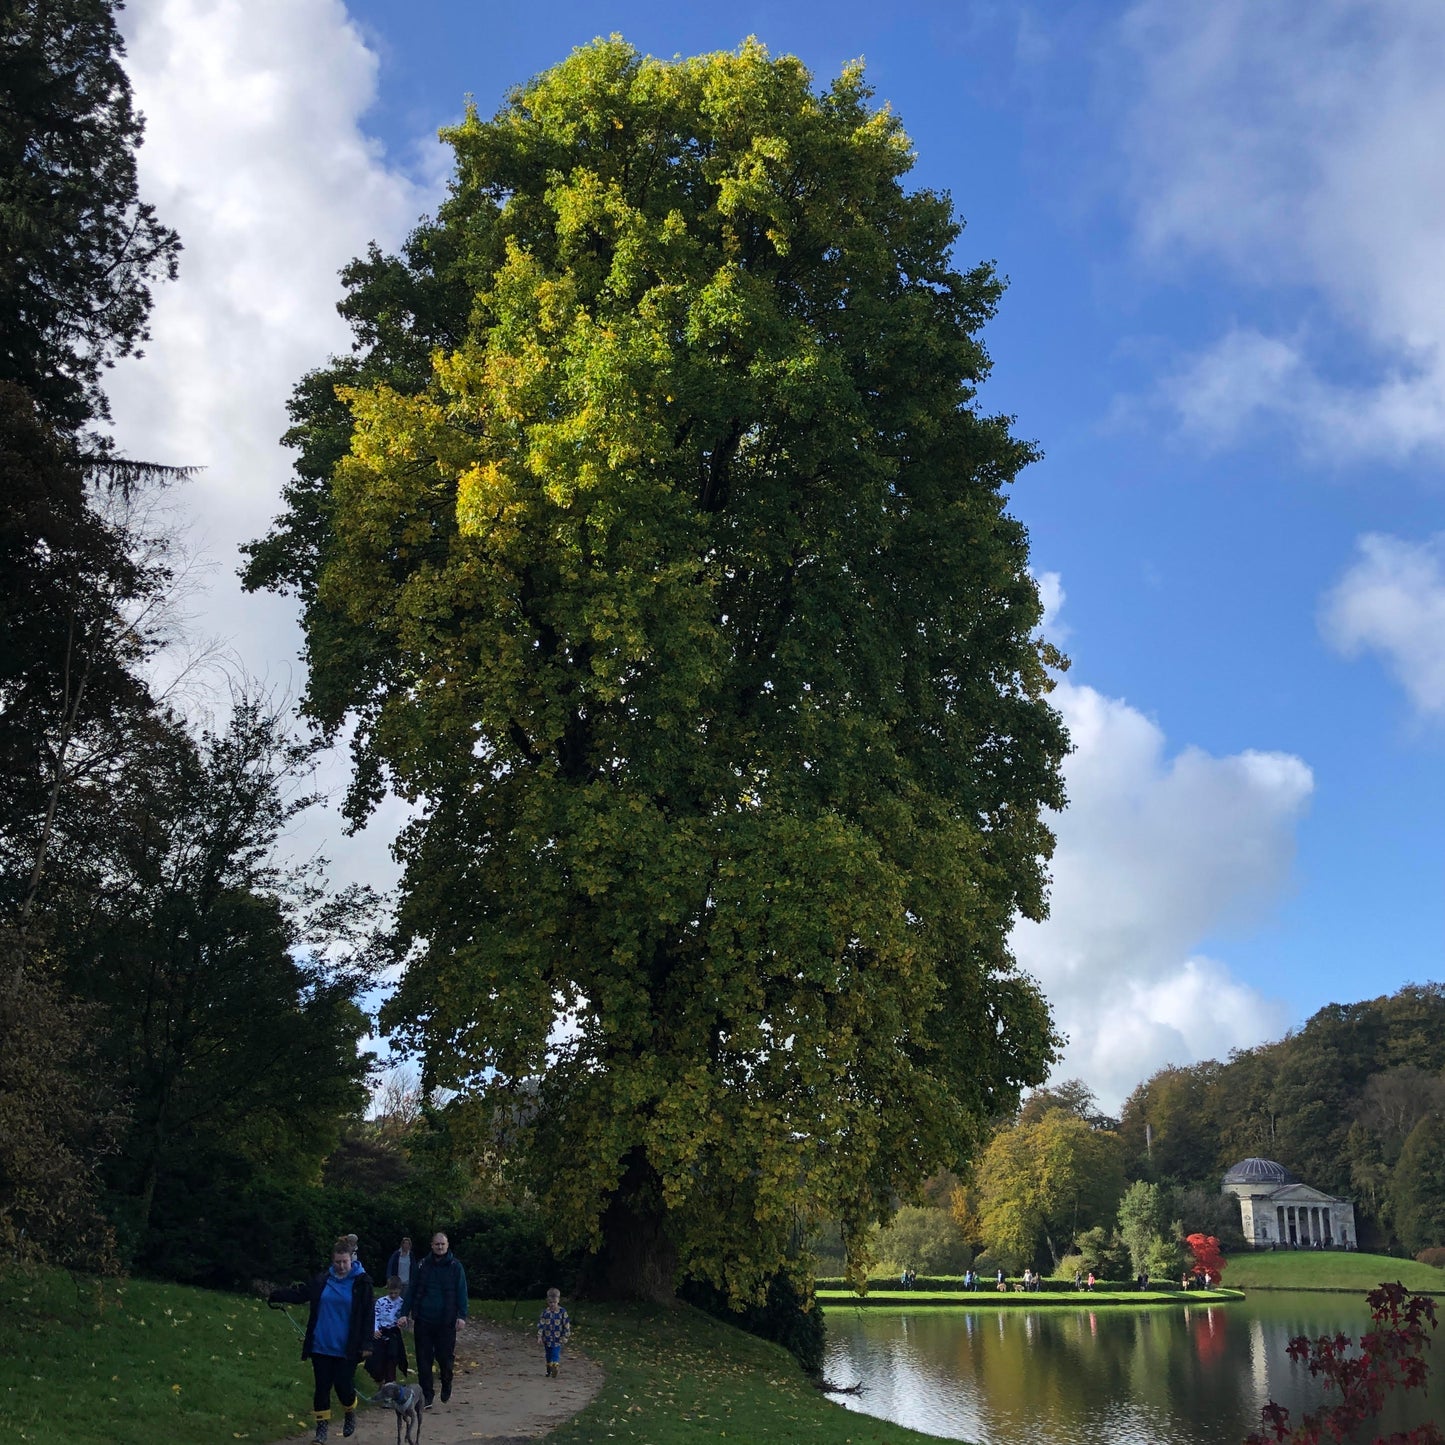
363,1312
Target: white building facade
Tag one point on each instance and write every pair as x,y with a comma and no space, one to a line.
1278,1212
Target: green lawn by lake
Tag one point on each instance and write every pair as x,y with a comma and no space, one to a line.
1329,1269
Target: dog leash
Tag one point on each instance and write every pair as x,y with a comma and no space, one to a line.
301,1334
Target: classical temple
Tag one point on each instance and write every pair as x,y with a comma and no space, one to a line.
1278,1212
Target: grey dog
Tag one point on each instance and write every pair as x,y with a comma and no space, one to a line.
406,1401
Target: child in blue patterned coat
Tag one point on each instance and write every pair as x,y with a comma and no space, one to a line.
553,1331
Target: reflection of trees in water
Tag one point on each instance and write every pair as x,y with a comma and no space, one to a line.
1180,1376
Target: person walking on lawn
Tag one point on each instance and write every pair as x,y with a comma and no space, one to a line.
338,1333
436,1305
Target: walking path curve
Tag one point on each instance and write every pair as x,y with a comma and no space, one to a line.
500,1394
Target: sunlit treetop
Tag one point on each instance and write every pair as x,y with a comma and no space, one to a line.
655,542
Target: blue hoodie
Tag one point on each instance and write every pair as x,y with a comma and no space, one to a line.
333,1315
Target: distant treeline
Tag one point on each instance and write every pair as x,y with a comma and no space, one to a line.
1354,1103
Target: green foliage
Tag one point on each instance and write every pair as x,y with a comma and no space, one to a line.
1165,1257
654,536
1103,1250
78,251
1040,1184
788,1317
1419,1185
1073,1096
1200,1209
78,248
1334,1102
223,1227
57,1127
1144,1221
924,1239
1167,1125
1070,1265
226,989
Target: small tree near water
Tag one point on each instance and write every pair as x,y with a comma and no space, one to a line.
1207,1258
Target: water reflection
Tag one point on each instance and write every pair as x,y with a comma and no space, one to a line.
1195,1375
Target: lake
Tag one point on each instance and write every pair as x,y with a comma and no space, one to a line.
1174,1375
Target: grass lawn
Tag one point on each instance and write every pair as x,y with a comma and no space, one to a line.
675,1376
1329,1269
991,1299
125,1362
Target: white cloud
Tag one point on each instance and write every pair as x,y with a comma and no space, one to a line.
1052,596
1155,854
1391,601
255,152
1297,142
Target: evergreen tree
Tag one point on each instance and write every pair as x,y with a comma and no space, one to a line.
79,249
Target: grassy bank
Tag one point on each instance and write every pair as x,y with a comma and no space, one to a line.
125,1362
1330,1270
1044,1299
677,1376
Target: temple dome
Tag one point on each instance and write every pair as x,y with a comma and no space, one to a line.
1260,1171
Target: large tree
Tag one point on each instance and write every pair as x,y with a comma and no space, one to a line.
79,249
1042,1184
655,542
226,984
78,253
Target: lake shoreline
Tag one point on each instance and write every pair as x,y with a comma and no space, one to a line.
992,1300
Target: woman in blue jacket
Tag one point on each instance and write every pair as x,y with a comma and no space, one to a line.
338,1332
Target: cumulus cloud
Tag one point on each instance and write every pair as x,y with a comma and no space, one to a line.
255,151
1052,596
1391,601
1297,142
1157,853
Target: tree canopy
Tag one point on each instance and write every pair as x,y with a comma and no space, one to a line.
1041,1184
78,247
656,543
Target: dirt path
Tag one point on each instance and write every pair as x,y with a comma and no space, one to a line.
500,1394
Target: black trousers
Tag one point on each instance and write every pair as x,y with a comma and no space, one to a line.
434,1342
333,1374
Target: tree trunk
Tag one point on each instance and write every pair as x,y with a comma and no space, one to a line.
637,1259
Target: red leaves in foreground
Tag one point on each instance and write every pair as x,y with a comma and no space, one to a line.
1390,1357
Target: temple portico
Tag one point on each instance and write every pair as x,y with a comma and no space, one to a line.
1278,1212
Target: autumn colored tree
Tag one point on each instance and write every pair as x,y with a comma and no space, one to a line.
656,544
1207,1257
1044,1183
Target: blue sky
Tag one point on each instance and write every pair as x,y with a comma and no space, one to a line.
1222,224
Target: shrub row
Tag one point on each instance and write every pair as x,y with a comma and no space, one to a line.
230,1237
986,1284
234,1233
